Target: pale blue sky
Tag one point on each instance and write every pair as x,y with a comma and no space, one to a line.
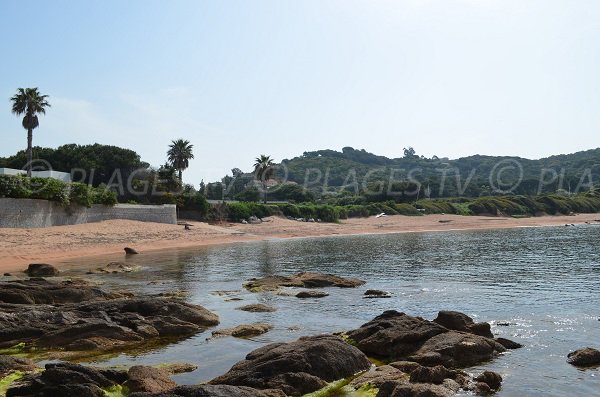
242,78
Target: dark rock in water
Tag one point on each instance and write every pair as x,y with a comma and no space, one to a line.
148,379
244,330
482,389
298,367
213,391
584,357
375,293
311,294
509,344
256,308
10,364
305,279
397,336
7,275
490,378
456,349
41,291
461,322
62,380
130,251
41,270
92,325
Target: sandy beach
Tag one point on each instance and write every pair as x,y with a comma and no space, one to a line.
19,247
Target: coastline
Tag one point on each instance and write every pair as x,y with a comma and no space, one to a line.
19,247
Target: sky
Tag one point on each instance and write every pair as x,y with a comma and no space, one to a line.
238,79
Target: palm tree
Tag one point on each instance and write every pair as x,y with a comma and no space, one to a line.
29,102
180,154
263,170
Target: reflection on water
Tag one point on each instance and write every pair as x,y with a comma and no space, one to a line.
545,283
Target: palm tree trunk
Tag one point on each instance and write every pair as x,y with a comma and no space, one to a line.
29,150
181,176
265,189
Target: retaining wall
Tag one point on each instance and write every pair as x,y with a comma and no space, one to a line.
28,213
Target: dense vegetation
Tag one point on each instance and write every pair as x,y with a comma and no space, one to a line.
54,190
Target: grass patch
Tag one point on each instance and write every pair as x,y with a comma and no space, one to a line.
8,380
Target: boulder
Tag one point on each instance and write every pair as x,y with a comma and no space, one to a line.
311,294
256,308
298,367
244,330
490,378
305,279
130,251
584,357
509,344
9,364
461,322
375,293
397,336
42,291
402,389
41,270
100,324
435,374
377,376
62,380
148,379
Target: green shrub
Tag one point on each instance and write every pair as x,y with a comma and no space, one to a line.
407,209
81,194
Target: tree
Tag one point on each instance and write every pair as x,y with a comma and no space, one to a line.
29,102
409,152
263,171
180,154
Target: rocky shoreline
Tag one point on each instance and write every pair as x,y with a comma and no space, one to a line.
414,356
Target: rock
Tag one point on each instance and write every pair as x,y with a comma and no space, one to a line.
9,364
244,330
148,379
401,389
213,391
305,280
298,367
41,270
509,344
456,349
377,376
375,293
490,378
7,275
435,374
62,380
254,220
130,251
100,325
406,366
41,291
179,368
397,336
584,357
113,267
257,308
393,335
482,389
311,294
461,322
244,222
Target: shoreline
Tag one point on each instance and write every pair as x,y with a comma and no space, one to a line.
53,245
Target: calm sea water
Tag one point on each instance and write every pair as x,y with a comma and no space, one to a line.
543,282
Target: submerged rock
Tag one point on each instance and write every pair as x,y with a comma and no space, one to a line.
584,357
490,378
375,293
41,270
311,294
244,330
305,279
257,308
298,367
397,336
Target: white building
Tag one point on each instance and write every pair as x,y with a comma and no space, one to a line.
61,176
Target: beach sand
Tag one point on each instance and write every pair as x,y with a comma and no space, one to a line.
19,247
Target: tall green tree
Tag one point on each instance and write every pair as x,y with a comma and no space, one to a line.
263,170
30,102
179,155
